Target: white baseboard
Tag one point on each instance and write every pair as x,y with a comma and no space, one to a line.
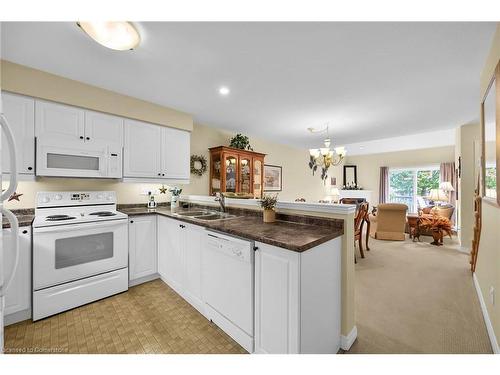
17,317
463,249
144,279
486,316
347,341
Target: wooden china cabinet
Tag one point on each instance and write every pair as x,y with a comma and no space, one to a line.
236,171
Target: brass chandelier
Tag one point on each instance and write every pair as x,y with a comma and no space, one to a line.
325,157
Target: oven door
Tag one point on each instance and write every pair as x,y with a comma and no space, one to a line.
71,158
75,251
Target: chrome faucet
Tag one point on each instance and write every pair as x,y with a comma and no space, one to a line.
219,197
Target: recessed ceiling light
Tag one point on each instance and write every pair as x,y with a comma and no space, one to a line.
119,35
224,91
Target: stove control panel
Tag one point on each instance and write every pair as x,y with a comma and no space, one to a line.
81,196
73,198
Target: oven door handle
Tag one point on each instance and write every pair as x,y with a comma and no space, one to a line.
72,227
9,137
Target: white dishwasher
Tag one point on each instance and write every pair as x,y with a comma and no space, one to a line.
228,286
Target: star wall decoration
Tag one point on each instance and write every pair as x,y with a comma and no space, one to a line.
163,189
14,197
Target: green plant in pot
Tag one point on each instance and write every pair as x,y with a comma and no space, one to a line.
176,192
240,141
268,203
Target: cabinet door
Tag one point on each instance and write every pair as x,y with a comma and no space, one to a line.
142,246
175,157
170,252
277,320
18,296
103,127
245,174
230,168
141,150
63,122
193,238
258,172
20,113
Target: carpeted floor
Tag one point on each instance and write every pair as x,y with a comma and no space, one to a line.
417,298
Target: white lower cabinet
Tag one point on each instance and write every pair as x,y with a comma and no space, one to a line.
297,299
297,295
179,258
277,281
142,248
192,241
18,296
169,252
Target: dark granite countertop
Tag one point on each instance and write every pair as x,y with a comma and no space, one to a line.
24,217
292,232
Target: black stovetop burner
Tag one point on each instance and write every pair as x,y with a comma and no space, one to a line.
59,217
103,213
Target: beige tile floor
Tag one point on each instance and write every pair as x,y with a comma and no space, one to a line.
149,318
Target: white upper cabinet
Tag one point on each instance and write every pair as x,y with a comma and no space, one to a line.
155,152
20,113
59,121
141,150
175,153
102,127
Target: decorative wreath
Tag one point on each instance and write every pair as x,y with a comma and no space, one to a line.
198,164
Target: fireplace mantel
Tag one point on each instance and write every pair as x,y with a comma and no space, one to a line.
366,194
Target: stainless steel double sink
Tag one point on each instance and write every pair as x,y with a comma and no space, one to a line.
205,215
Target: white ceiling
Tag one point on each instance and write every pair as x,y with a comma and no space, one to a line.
368,80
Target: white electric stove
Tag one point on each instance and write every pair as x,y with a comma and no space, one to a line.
80,250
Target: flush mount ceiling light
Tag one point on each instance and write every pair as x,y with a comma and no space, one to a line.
117,35
224,91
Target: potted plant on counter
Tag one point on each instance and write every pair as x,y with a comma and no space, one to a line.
268,203
176,192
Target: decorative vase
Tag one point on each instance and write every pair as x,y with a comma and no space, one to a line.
269,215
174,201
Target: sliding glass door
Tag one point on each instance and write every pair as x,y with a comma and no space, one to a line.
411,186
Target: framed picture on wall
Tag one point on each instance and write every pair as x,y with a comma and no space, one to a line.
273,178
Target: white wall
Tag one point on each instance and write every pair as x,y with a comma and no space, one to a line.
488,270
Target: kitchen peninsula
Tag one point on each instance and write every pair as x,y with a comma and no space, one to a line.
301,298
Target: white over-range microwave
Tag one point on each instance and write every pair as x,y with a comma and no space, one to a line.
66,158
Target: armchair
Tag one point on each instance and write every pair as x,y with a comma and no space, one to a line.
389,222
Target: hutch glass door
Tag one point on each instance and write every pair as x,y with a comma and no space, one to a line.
231,173
245,174
216,173
257,178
